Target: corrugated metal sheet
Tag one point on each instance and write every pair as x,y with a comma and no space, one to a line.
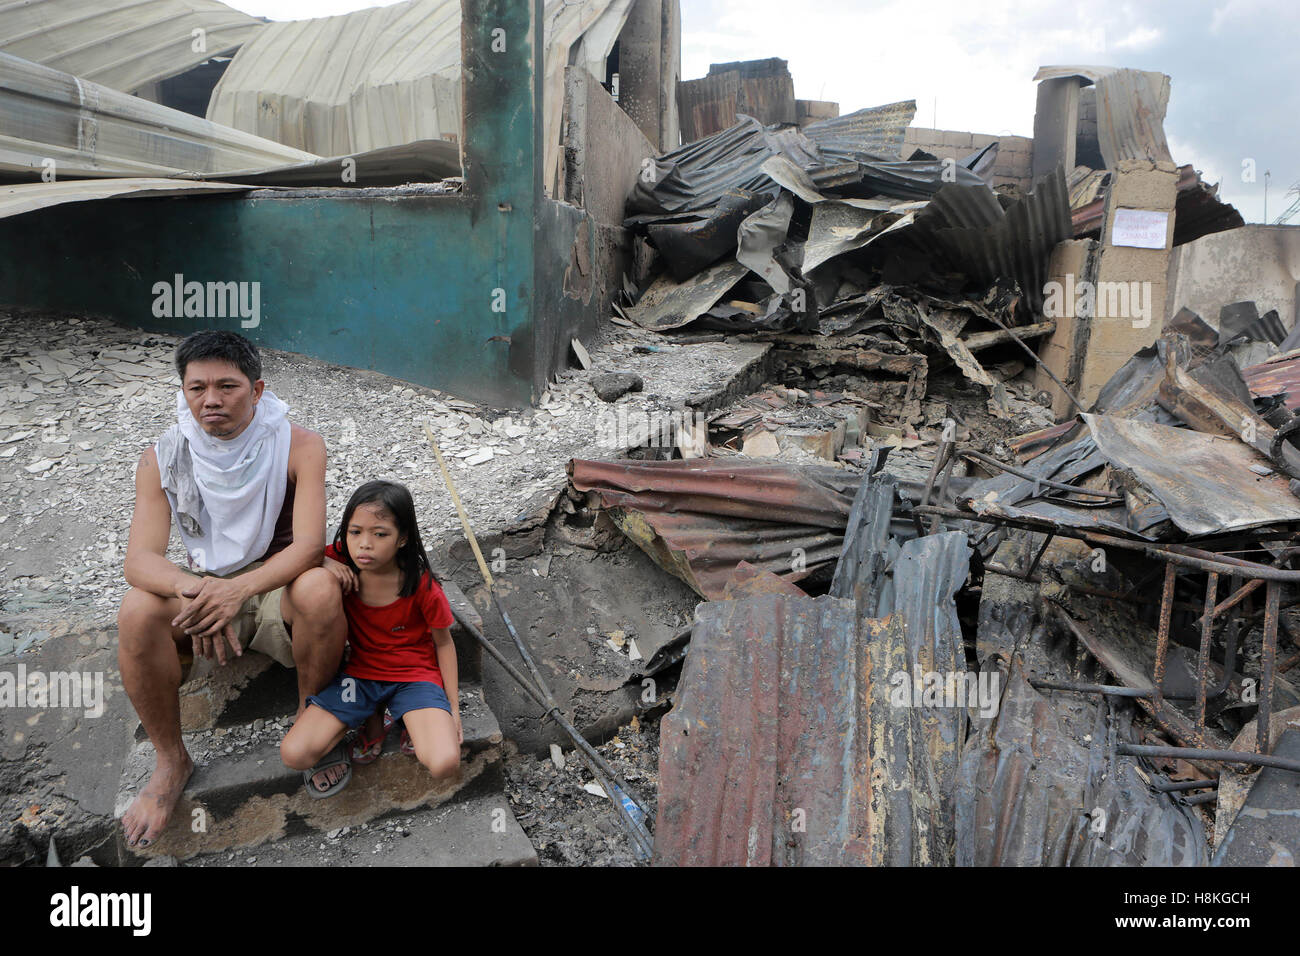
986,242
391,75
89,130
865,135
763,761
866,544
699,518
703,551
1198,209
338,85
122,44
1211,490
1130,110
27,197
691,178
914,743
838,227
427,162
1274,377
762,89
1029,795
668,304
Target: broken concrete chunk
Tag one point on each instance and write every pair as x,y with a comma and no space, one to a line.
613,385
760,444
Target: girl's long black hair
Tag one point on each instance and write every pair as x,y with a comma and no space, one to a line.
396,500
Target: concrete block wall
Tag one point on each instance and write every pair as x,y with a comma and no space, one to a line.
603,149
1015,153
810,111
1256,262
1135,184
1064,350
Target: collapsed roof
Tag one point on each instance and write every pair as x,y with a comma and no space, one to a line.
123,44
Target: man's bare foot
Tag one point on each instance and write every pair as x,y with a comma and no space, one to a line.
146,818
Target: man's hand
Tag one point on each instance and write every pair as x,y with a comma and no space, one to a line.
209,605
207,646
346,577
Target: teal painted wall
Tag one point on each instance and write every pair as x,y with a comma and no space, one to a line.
415,287
399,286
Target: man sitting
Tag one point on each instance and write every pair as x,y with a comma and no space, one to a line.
247,489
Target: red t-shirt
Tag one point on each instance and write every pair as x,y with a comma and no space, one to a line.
393,642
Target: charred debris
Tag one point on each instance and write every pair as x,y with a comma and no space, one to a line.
941,624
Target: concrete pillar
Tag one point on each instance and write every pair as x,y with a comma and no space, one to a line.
503,166
670,74
1056,122
640,66
1145,186
650,65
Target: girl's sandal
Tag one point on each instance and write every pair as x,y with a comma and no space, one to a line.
362,751
408,748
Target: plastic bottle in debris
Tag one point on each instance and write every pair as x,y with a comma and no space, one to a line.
635,812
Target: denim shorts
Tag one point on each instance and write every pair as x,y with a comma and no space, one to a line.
353,699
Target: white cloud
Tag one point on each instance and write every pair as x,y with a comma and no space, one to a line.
1138,38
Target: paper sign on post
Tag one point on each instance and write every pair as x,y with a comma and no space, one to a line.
1140,228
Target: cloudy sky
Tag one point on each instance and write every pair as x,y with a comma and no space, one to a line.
970,66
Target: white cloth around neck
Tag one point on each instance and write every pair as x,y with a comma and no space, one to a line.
241,483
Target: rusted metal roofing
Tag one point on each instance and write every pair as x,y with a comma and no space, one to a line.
763,762
1131,108
914,742
1028,794
766,491
88,130
122,44
762,89
1212,489
1276,376
699,518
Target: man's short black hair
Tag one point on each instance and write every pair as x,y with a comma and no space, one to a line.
227,346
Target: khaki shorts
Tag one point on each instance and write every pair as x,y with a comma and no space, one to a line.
258,625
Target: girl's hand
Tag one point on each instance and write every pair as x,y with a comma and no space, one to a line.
346,577
460,731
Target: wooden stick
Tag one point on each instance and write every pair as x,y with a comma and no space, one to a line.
460,510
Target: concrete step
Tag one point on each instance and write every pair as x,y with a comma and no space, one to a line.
252,685
241,795
478,831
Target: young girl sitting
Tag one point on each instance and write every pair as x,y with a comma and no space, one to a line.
402,656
